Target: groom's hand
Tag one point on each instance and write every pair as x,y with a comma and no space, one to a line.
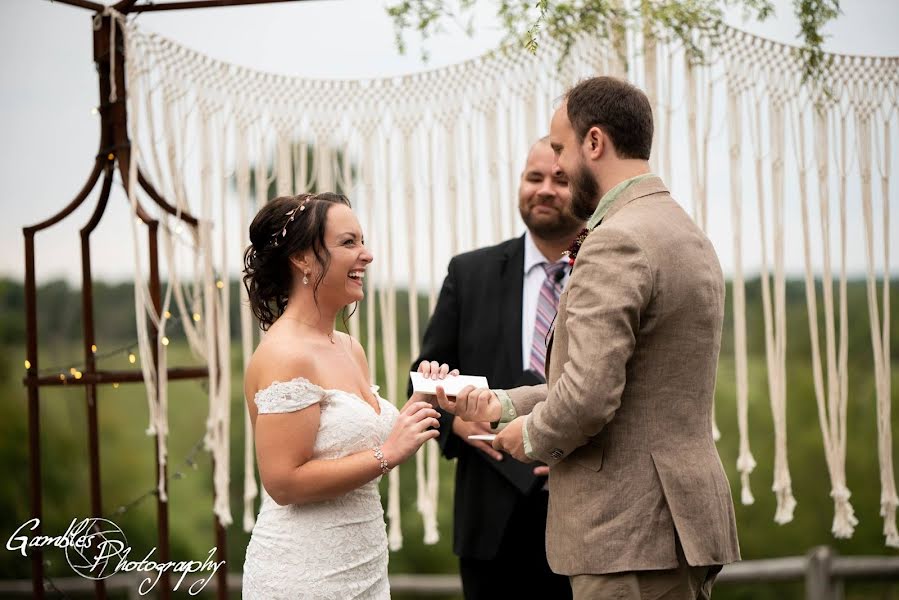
472,404
510,440
464,429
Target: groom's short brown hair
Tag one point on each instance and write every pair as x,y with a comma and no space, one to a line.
620,109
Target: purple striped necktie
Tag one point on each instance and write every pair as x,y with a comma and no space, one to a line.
547,304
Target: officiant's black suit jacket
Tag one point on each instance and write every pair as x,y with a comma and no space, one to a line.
476,328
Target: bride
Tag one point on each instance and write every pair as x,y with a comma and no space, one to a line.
323,434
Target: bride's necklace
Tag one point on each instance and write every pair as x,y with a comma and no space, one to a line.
330,333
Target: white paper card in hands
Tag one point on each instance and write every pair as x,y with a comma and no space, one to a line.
452,384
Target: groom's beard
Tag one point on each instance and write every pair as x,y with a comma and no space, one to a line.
584,192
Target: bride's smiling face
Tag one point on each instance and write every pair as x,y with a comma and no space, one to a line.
342,283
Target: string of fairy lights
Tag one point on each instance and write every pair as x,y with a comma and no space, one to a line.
76,369
189,461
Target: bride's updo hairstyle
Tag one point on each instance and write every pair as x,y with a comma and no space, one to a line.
284,227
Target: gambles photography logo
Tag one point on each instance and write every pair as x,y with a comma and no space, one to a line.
97,548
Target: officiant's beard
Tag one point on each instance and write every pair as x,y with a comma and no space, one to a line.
584,191
564,225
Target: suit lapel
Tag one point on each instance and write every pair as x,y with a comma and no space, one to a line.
550,337
549,353
511,281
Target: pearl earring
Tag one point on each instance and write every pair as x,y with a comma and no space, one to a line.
305,278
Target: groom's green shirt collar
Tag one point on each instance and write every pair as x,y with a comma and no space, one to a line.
608,199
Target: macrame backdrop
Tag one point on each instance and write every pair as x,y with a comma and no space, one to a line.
431,162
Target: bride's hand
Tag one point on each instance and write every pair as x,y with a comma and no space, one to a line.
410,431
432,370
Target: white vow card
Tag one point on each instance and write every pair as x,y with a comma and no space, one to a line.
452,385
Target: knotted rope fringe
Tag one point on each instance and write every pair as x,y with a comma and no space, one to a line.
468,127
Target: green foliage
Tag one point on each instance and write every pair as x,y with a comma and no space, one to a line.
567,21
128,473
59,312
424,15
813,15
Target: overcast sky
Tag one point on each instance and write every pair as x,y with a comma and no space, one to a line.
48,136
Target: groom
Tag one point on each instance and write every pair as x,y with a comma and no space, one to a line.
639,502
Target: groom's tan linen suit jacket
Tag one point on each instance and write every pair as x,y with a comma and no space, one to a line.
625,418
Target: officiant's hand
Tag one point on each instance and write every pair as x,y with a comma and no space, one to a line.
464,429
471,404
510,440
431,369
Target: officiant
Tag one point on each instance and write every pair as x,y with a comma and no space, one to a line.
491,319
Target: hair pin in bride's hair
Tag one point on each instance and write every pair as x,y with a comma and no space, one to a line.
291,214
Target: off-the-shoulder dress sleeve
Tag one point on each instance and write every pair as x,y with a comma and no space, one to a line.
288,396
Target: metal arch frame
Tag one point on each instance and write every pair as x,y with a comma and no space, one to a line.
114,149
131,6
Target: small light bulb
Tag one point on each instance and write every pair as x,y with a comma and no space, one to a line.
94,348
219,284
131,358
77,374
94,111
165,341
72,370
62,376
27,364
168,315
110,156
196,316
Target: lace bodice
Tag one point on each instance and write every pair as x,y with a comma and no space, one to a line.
335,548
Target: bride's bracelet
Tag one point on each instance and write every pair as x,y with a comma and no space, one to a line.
385,468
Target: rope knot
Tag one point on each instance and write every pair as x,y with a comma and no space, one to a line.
746,463
844,520
840,493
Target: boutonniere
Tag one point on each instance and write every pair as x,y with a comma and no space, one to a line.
572,251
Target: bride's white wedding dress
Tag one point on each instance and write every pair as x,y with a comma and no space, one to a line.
335,549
